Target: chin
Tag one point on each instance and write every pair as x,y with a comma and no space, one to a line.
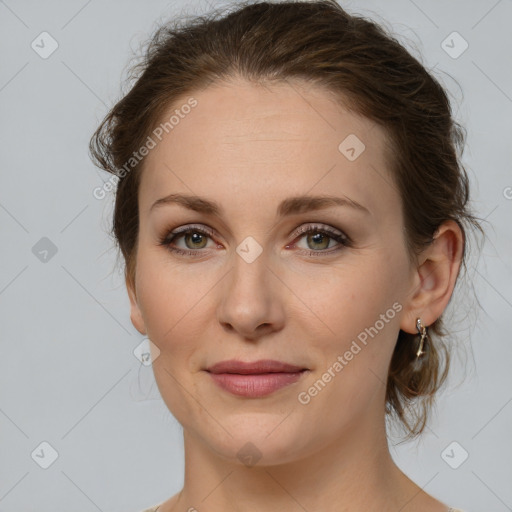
259,439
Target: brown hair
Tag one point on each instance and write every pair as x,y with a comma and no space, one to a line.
366,69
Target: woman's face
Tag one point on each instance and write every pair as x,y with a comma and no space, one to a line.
255,288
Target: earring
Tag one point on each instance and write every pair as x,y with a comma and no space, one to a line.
422,330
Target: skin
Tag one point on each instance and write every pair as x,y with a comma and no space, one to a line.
248,147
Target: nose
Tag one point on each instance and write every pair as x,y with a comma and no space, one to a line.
252,304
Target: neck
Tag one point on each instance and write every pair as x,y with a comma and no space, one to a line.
354,473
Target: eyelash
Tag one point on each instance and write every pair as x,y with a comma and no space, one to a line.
341,238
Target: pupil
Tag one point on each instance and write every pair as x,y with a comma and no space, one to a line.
317,238
196,238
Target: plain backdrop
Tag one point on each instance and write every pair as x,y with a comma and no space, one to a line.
82,425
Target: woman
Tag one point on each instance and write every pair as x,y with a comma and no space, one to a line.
293,216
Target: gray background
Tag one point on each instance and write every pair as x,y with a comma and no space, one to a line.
68,374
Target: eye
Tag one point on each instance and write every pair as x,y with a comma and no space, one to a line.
318,239
194,237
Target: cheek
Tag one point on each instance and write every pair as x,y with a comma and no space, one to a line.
169,302
345,299
361,309
172,300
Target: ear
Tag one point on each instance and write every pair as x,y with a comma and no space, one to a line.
135,313
434,278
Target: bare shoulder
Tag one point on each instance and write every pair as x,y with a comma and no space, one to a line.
171,502
165,506
413,498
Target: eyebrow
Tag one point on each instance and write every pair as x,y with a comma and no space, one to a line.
290,206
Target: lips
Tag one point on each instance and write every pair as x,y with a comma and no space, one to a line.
255,368
254,379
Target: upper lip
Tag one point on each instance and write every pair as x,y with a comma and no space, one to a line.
254,367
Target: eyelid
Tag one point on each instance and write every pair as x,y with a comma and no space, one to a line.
337,235
191,227
313,226
304,228
170,236
343,241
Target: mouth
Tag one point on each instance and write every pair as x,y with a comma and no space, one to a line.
254,379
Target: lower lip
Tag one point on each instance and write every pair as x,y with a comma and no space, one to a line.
254,385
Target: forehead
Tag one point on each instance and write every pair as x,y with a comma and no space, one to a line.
274,140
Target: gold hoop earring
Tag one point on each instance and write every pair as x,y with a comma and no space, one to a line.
422,331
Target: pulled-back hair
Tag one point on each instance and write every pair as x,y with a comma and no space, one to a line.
368,71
